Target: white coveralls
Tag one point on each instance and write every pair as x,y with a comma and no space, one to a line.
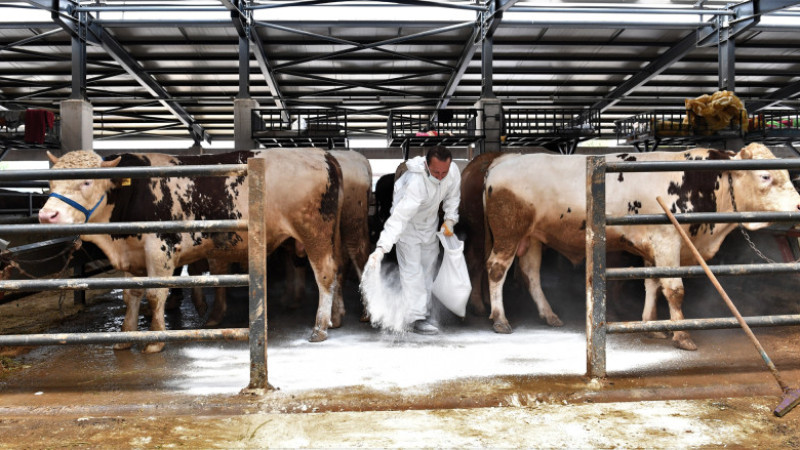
413,226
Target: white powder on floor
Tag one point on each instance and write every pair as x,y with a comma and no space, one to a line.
380,289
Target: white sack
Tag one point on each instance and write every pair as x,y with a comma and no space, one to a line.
452,286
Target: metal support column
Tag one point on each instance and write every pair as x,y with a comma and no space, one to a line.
257,254
487,57
596,325
727,56
79,58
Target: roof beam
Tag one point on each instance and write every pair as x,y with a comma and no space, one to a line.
485,26
269,74
356,46
675,53
134,69
787,92
243,22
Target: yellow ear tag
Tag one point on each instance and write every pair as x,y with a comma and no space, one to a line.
126,181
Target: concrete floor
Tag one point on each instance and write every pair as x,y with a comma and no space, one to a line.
362,387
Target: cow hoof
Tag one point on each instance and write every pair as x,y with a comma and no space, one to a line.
502,328
685,344
153,348
364,317
336,322
212,322
318,336
124,346
554,321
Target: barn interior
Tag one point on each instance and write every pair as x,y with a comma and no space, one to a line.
388,80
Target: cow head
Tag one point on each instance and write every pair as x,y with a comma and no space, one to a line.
76,201
763,190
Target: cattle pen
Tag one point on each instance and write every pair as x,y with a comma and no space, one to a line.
321,395
257,254
597,271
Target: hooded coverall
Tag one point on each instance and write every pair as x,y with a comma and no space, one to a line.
412,227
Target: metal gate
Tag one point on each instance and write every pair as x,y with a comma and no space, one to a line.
257,253
597,273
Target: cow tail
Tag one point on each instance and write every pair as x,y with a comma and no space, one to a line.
488,239
336,184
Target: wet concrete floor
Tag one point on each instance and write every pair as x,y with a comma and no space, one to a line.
191,393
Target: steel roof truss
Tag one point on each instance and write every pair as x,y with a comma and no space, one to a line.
673,54
787,92
352,84
357,46
123,58
745,15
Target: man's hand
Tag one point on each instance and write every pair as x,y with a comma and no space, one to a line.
447,227
375,258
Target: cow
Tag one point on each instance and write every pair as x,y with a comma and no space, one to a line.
354,228
471,223
535,200
303,198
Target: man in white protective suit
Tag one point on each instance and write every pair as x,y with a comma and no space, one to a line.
430,181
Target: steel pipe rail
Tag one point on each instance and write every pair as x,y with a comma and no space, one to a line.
172,226
124,172
661,219
717,165
70,284
701,324
638,273
120,337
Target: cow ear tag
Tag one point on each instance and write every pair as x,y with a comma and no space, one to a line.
126,182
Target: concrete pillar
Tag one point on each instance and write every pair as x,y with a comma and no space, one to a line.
243,124
76,125
490,120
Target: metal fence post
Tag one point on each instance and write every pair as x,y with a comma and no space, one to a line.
257,254
596,266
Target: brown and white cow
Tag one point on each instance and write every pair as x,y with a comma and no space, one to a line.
535,200
472,223
303,198
354,228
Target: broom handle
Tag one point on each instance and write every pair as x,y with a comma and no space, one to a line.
724,295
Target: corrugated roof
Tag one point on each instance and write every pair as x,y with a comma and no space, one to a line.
545,54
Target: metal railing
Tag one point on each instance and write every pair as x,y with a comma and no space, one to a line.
255,279
550,127
597,326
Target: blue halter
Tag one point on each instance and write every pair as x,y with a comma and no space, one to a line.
78,206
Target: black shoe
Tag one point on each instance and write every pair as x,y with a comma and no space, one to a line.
425,327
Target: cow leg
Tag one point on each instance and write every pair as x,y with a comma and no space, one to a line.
132,299
325,273
497,266
668,254
651,286
157,298
530,265
477,272
337,310
674,292
220,306
198,298
295,276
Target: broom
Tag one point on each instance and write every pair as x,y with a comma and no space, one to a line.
791,397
